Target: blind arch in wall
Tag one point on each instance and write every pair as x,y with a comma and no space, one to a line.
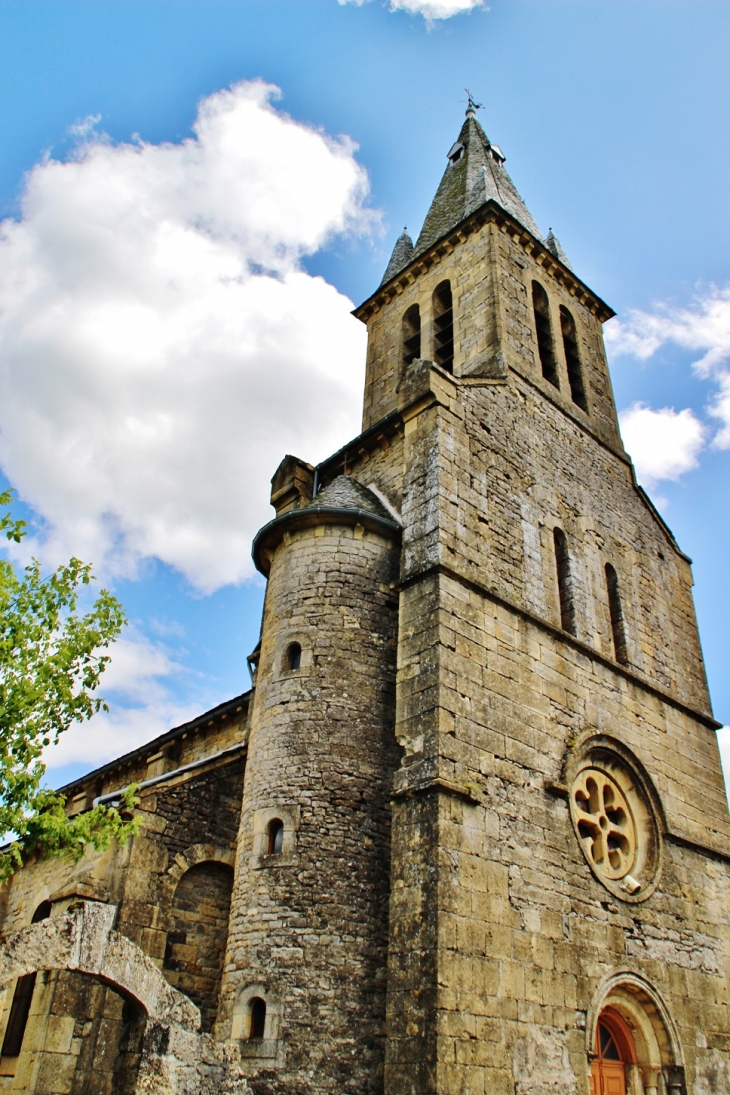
196,946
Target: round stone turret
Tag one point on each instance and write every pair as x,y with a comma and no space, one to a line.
308,934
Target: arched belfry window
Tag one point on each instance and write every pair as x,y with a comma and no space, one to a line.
257,1018
411,334
565,581
543,328
617,616
572,359
443,326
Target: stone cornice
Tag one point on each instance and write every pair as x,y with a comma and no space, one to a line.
490,212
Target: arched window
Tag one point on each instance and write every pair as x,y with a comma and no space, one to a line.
443,326
617,616
293,657
565,581
572,359
196,947
541,307
276,836
257,1023
22,998
411,334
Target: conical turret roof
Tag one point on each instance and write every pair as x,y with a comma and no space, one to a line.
402,254
475,174
553,244
344,492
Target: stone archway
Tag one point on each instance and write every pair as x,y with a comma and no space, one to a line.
658,1050
176,1058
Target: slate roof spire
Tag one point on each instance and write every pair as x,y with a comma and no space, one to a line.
553,244
474,175
402,255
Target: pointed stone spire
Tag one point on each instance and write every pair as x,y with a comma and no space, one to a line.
402,255
553,244
474,175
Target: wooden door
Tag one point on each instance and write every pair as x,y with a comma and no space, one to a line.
614,1049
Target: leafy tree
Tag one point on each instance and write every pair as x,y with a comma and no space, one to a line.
51,659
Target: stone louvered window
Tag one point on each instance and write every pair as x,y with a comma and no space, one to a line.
411,334
565,581
617,616
443,326
543,328
572,359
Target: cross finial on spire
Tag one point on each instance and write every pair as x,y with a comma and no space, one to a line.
472,104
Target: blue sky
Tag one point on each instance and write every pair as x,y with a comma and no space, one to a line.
151,453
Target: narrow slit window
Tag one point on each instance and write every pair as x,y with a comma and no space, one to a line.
22,999
257,1025
411,334
565,582
541,307
572,359
294,657
276,837
617,616
443,326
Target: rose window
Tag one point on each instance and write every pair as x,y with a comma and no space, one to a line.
605,824
611,806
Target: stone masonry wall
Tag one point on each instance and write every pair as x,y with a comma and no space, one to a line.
525,932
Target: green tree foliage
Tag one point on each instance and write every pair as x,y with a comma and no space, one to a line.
51,659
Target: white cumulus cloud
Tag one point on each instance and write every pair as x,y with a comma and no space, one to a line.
664,444
429,9
703,327
162,346
137,686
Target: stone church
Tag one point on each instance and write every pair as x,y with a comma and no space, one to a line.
467,832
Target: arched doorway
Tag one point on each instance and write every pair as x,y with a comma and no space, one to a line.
615,1049
632,1042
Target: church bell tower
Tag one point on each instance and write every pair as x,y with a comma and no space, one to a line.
482,746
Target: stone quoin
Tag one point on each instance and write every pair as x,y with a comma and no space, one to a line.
467,833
